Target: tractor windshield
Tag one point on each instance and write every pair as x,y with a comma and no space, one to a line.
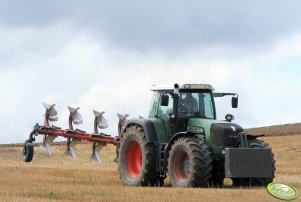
198,104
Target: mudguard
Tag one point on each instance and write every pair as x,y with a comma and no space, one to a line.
171,142
174,138
147,125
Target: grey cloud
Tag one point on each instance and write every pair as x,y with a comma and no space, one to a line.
166,24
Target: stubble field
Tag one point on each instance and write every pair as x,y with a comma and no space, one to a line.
61,178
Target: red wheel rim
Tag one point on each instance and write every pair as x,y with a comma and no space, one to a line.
134,159
181,166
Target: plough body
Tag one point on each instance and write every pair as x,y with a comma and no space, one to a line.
98,140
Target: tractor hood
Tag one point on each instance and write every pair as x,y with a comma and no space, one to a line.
225,134
219,133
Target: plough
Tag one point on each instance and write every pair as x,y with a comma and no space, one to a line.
73,136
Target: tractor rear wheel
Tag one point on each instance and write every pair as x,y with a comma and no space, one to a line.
256,181
137,159
190,163
28,152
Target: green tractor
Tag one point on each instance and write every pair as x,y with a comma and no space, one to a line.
181,138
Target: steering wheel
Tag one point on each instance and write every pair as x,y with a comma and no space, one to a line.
182,108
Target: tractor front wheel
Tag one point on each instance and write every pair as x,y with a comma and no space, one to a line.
137,159
190,163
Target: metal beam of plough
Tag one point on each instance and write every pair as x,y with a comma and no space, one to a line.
75,134
101,123
50,132
121,123
96,147
122,119
50,116
46,146
70,151
74,118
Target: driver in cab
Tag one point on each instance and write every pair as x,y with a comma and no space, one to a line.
189,103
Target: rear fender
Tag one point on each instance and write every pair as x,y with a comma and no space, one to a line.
147,126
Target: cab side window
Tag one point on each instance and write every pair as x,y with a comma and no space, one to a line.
164,111
154,104
209,110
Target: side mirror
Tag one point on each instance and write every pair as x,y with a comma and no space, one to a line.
164,100
234,102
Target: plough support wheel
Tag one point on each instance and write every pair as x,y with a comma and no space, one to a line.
28,152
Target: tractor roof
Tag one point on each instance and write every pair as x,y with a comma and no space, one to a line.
183,87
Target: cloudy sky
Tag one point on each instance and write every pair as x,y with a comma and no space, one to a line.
105,55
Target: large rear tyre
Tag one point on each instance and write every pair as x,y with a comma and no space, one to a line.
256,182
28,152
190,163
137,159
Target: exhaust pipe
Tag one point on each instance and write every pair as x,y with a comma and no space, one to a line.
176,108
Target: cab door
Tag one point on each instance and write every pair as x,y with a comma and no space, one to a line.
164,113
158,121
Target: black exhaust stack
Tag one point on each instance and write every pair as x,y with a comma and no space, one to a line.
176,107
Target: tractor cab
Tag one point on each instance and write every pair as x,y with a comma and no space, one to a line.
175,106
